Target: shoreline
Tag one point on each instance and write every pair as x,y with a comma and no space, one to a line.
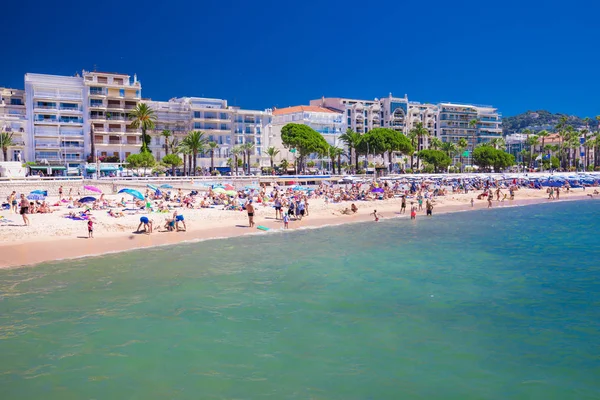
29,254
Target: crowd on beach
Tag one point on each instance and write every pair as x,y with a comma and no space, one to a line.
289,203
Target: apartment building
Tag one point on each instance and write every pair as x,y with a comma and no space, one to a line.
13,121
359,115
110,97
57,118
326,121
173,116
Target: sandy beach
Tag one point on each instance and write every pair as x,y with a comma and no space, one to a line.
54,237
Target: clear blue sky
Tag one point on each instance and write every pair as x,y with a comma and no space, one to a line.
516,55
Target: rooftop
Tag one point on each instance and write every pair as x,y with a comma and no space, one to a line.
296,109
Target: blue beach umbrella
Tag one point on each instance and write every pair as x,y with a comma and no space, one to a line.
152,187
36,197
133,193
166,186
88,199
41,192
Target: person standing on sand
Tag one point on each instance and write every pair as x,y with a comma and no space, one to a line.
490,198
472,202
24,209
278,213
60,192
250,210
90,225
413,212
429,208
557,193
12,200
286,221
403,206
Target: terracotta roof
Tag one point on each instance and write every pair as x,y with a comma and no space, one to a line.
295,109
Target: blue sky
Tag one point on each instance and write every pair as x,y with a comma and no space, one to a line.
516,55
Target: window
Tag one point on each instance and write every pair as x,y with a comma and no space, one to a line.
349,112
224,116
95,103
197,114
122,92
16,102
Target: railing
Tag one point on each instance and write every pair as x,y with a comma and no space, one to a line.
97,105
115,130
115,118
41,107
71,121
38,119
97,116
113,106
78,133
97,92
72,145
114,142
74,109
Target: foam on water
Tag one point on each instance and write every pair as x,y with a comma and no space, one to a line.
494,304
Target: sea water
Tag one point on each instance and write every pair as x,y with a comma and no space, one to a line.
491,304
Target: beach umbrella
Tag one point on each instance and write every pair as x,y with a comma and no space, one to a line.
36,197
87,199
219,190
166,186
92,188
227,186
218,186
231,193
40,192
251,187
377,190
152,187
133,193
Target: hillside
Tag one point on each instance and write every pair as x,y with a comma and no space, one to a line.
537,120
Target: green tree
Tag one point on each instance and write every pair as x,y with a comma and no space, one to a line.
195,141
419,132
304,139
284,164
272,153
236,151
437,158
498,143
352,140
435,143
212,146
335,153
532,141
248,149
143,117
166,134
473,125
463,145
142,160
6,141
487,156
449,148
172,160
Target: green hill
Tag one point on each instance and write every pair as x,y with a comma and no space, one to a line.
537,120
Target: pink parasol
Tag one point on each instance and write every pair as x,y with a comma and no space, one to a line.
92,188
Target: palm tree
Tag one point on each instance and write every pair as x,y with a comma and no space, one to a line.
143,117
532,141
498,143
284,165
235,151
435,143
272,153
248,147
212,146
463,144
352,140
419,132
449,148
196,143
473,125
6,141
166,134
334,153
93,145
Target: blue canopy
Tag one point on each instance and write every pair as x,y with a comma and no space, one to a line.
36,197
133,193
166,186
152,187
42,192
87,199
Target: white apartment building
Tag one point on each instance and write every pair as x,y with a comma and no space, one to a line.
359,115
57,119
454,123
326,121
110,97
174,116
13,121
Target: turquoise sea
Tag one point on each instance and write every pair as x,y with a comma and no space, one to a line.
490,304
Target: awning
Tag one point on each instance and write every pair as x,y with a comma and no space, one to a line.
45,167
102,169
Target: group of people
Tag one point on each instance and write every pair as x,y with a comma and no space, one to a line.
172,224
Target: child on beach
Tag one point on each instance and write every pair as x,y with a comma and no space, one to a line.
374,214
472,202
413,212
286,221
90,225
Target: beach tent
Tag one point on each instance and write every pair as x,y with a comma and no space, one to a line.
87,199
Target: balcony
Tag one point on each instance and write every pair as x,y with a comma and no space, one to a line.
45,107
72,134
72,146
46,120
97,116
98,92
71,109
47,157
47,145
115,118
130,107
64,120
114,106
97,105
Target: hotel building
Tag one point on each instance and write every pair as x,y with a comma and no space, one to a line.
13,120
57,118
110,97
173,115
326,121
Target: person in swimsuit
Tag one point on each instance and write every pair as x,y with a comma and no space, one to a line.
286,221
403,206
413,212
60,192
375,215
24,209
147,225
278,213
90,225
291,209
179,218
429,208
12,199
250,210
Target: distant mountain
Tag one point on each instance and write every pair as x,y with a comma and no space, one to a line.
537,120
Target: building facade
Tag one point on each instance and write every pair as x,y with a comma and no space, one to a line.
13,121
328,122
109,98
56,120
